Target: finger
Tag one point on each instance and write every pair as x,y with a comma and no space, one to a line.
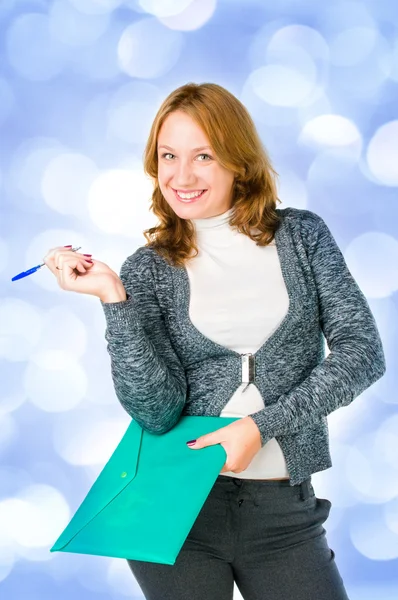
69,272
67,253
80,264
62,258
85,266
59,258
51,258
80,267
52,251
60,263
73,261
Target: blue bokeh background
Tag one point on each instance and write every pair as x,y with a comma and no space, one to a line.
80,83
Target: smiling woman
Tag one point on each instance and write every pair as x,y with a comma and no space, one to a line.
235,171
194,185
239,331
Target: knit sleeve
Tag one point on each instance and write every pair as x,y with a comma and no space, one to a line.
356,359
148,377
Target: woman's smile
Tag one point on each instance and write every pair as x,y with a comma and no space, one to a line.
189,200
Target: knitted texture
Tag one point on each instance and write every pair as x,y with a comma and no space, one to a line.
163,367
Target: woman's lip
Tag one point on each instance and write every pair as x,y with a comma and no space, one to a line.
187,201
189,191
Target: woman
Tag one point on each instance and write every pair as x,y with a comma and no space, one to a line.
223,313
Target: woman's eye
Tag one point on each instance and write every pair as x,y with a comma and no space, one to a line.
170,154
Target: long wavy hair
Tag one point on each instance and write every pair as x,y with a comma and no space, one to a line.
238,148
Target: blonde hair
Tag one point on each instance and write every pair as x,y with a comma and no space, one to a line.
238,148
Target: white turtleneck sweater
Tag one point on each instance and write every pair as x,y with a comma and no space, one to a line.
234,307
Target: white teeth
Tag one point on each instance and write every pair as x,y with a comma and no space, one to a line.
193,195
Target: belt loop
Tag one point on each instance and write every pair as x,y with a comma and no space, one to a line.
305,489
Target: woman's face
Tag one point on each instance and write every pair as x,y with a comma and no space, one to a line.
187,164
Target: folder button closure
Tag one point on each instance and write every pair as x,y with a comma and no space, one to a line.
124,474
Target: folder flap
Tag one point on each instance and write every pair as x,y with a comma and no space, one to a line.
118,472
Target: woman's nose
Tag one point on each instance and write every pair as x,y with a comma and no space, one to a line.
185,175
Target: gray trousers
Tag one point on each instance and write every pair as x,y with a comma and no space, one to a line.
265,535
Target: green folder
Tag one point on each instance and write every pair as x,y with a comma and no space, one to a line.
146,499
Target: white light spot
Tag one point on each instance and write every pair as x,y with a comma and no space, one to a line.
283,86
332,130
4,255
352,46
28,165
394,70
292,190
293,44
119,579
12,480
88,437
7,561
369,472
371,536
71,27
164,8
131,111
372,258
96,7
337,485
20,328
386,441
196,14
391,512
54,381
11,402
335,181
63,330
140,57
66,183
8,431
99,60
382,154
119,202
35,517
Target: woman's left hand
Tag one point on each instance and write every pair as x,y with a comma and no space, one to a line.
241,440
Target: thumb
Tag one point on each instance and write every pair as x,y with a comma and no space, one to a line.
202,441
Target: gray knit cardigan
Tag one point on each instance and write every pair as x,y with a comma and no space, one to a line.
163,367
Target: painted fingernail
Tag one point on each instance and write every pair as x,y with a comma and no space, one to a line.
191,443
89,260
87,254
68,246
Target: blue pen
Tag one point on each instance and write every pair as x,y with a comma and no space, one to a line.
34,269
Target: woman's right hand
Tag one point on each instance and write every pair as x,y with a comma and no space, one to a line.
75,273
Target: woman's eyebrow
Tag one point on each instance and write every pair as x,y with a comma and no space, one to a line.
193,150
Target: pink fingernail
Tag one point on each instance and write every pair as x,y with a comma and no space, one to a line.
87,254
89,260
68,246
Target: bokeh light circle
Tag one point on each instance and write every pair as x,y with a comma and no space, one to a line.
46,58
113,201
20,328
382,154
140,57
54,381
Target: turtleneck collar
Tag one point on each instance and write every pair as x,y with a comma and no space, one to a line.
217,222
